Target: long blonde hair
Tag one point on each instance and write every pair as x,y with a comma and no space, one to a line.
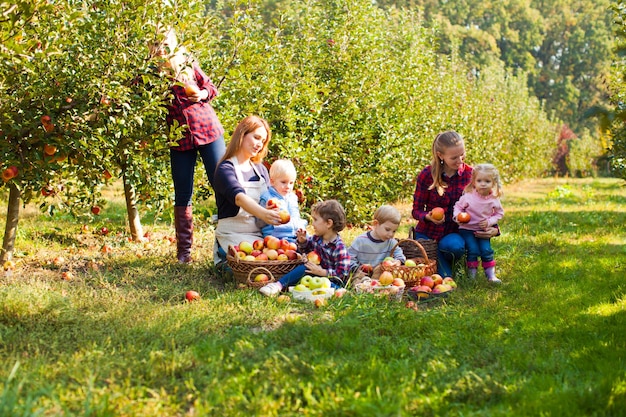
245,126
442,142
490,170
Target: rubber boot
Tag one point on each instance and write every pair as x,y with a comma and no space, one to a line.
183,221
472,268
490,272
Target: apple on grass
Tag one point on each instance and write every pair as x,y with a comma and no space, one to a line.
339,292
95,210
192,295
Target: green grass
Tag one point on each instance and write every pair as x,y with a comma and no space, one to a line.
118,340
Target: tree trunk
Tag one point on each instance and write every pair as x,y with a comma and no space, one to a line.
134,221
13,216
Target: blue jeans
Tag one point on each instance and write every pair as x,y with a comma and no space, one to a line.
477,247
295,275
450,249
183,164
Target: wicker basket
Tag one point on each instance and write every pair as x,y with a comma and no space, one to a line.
241,269
411,251
258,270
412,274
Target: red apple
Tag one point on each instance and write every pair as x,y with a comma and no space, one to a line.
397,282
95,210
367,268
285,244
463,217
255,253
9,173
261,257
192,295
46,120
423,288
107,175
104,231
273,243
437,213
272,203
314,258
293,246
291,254
258,244
437,279
427,281
49,149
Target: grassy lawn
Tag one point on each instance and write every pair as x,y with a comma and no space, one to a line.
117,339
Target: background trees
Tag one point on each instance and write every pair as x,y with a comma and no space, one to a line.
355,93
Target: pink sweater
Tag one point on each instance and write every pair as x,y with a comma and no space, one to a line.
479,208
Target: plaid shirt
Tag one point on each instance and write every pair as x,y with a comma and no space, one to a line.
334,255
203,125
424,200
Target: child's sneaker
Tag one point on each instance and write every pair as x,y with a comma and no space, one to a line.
271,289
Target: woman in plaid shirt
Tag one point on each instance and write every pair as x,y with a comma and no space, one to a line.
441,184
192,91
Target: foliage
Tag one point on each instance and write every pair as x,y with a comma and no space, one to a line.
356,95
119,339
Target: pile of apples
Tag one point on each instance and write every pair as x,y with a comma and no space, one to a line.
385,284
268,249
311,283
433,284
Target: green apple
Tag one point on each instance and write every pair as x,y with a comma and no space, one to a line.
300,287
325,282
306,280
410,262
316,282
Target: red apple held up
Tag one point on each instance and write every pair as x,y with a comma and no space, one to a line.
437,213
272,203
463,217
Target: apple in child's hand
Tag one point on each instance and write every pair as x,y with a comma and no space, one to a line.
272,203
314,258
192,296
437,213
463,217
285,217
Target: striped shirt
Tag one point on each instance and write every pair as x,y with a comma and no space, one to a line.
365,249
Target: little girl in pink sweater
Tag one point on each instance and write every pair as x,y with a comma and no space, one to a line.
481,200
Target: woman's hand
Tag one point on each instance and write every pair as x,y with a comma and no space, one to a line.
195,95
430,219
487,233
270,217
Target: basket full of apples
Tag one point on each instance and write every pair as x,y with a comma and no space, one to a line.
311,288
414,268
431,287
278,256
385,285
